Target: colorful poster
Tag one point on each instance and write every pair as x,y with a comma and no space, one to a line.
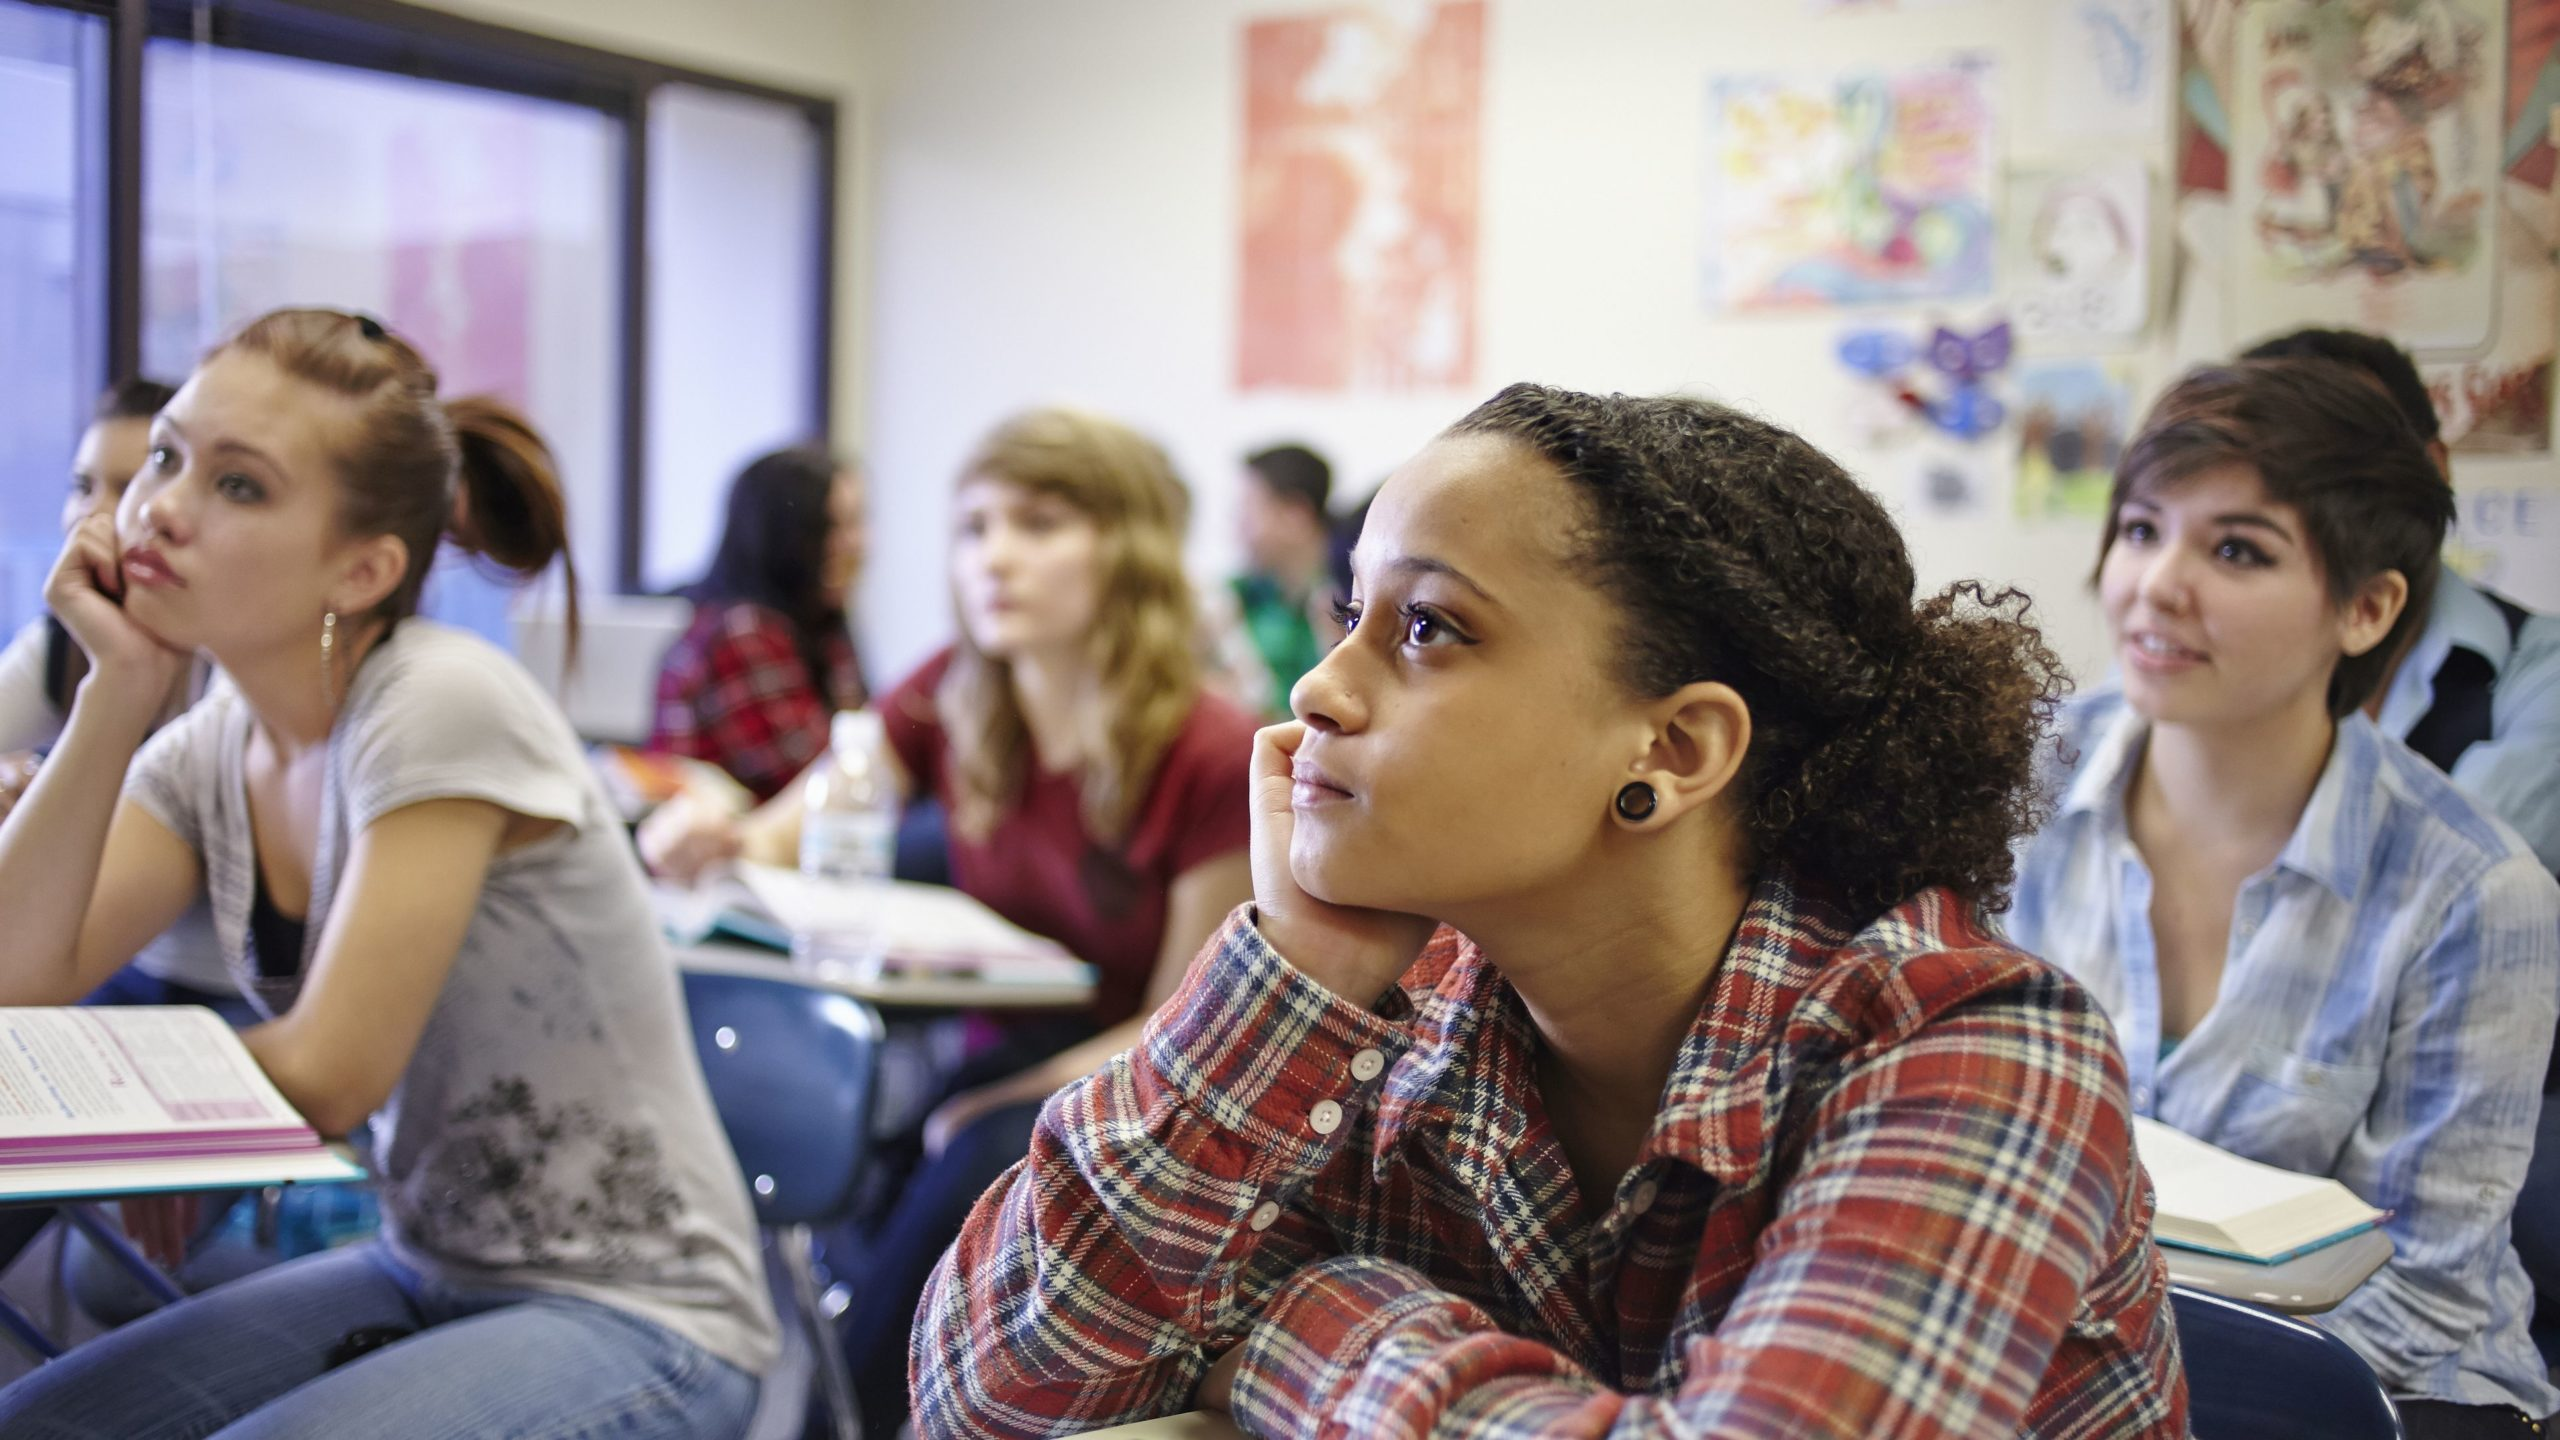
2365,160
2073,419
2078,252
1868,188
2108,67
1360,175
2500,403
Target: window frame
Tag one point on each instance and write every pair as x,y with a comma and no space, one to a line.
396,38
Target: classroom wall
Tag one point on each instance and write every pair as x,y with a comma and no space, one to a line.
1055,217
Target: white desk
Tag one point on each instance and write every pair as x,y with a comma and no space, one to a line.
891,989
1189,1425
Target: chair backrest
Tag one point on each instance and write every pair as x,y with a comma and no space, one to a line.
791,1070
2255,1375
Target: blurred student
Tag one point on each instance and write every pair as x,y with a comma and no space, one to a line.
428,898
2475,685
1714,1109
2318,952
769,657
1096,795
1280,607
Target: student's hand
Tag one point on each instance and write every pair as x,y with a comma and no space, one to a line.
161,1225
1217,1388
86,593
685,837
17,772
1355,953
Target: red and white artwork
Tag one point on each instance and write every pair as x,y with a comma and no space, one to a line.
1360,184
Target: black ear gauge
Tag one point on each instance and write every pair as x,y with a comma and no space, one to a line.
1636,801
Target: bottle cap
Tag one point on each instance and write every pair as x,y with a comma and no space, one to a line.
856,732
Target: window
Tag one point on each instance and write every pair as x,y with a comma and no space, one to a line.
174,167
734,197
482,226
52,278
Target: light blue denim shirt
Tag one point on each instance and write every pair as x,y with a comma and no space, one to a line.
2385,1014
2515,772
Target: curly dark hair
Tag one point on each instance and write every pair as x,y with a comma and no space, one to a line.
1893,746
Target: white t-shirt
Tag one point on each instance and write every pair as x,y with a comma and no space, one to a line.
185,953
553,1131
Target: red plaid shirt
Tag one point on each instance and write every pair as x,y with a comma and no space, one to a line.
735,691
1891,1192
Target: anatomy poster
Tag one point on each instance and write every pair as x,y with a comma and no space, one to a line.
1360,179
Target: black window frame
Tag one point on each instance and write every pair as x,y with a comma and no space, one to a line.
396,38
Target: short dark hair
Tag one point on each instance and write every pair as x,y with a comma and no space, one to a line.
1294,472
2373,355
2369,497
133,399
1893,745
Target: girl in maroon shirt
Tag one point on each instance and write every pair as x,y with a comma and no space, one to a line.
1096,794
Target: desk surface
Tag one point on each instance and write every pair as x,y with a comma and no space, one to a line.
1189,1425
2303,1285
893,990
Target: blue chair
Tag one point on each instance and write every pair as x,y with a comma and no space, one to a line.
792,1070
2255,1375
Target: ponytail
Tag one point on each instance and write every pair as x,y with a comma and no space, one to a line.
418,469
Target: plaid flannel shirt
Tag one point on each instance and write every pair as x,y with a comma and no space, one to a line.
1890,1192
735,691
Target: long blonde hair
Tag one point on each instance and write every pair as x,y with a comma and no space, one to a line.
1141,642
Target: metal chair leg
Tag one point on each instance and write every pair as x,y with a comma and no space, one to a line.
792,1243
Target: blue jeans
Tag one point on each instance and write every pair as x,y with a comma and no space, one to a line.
252,1360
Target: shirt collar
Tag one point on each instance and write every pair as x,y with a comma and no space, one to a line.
1714,1112
2329,843
2343,819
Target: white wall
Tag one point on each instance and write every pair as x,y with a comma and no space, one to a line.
1055,218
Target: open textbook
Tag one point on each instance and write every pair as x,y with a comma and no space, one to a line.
2217,1202
919,928
127,1099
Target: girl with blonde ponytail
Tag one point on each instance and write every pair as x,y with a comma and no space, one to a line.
417,884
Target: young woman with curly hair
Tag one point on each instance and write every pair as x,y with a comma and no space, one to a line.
1615,1044
1096,795
2317,950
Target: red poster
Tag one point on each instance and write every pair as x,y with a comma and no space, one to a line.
1359,198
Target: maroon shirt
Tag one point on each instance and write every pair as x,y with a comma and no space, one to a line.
1040,868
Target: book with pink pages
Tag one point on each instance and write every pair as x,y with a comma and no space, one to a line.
126,1100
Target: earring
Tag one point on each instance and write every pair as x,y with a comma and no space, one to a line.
1635,802
328,658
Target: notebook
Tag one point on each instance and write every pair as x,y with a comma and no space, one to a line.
127,1099
923,929
2217,1202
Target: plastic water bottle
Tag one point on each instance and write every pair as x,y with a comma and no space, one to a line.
848,834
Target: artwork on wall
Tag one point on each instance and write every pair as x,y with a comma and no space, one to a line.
2364,168
1868,187
1361,135
2073,418
1944,379
2077,253
2108,66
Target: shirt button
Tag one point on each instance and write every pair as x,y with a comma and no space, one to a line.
1646,1193
1326,1117
1367,1065
2141,1095
1264,1214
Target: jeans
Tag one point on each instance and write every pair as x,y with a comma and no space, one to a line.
267,1357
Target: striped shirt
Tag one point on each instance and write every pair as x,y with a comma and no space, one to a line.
2384,1015
1890,1192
